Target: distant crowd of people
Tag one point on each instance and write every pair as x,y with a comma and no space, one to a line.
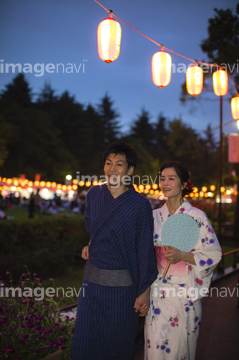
36,205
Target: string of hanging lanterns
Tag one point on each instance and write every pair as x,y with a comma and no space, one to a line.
109,40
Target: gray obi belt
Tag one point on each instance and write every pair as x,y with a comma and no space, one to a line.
107,277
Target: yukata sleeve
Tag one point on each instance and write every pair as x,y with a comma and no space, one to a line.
147,269
87,212
207,255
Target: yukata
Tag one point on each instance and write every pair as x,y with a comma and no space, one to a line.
121,239
172,323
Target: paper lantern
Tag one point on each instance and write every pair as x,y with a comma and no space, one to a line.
108,39
235,107
220,82
161,66
194,80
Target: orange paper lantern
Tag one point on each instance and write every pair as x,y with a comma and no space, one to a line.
220,82
108,39
194,80
161,68
235,107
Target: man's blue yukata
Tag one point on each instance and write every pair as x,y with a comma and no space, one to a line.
121,238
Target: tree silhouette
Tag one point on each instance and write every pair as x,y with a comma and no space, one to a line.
143,130
18,92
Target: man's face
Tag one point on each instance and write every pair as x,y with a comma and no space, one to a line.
116,170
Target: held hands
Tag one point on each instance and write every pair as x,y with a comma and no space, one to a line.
85,252
142,303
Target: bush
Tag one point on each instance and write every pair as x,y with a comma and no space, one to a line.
46,245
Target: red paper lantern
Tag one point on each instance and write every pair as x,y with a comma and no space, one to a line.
235,107
220,82
108,39
161,66
194,80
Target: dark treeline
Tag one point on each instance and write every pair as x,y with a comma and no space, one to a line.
55,136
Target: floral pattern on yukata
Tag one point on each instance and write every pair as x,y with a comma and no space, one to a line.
172,323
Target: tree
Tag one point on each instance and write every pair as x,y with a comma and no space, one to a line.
161,133
18,91
143,130
221,47
185,145
35,146
47,100
5,136
108,116
147,166
222,44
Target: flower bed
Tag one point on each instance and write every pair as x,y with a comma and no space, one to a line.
32,328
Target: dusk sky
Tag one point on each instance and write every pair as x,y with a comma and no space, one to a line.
52,32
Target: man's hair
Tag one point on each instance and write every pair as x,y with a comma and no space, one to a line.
120,147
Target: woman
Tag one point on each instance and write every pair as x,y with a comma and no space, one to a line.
172,322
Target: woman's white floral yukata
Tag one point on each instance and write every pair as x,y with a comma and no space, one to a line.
172,323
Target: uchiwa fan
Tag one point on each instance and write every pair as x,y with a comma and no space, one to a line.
180,231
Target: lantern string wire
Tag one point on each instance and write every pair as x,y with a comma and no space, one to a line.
155,42
233,84
163,47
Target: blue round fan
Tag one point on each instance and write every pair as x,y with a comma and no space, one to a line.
180,231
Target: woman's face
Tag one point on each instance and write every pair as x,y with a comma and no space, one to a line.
171,185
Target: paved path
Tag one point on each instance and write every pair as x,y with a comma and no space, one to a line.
219,331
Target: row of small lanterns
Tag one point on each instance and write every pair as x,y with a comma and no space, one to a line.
12,184
109,39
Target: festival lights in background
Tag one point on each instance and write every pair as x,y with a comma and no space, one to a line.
23,187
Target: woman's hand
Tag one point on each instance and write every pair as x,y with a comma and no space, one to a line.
85,252
173,255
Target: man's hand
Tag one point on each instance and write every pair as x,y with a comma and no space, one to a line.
85,252
142,303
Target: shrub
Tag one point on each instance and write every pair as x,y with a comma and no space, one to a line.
47,245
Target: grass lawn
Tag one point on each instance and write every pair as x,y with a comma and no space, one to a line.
21,213
18,212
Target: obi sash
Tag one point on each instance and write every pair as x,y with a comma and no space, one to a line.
178,269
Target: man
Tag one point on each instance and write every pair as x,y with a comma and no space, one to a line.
121,263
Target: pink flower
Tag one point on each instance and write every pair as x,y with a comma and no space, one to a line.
148,341
175,319
182,209
189,268
173,324
199,281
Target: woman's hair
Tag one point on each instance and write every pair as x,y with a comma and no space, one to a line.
120,147
183,174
